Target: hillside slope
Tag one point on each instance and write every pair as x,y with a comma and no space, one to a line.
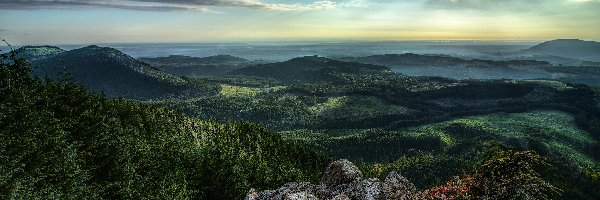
58,141
195,66
459,68
39,52
309,68
569,48
410,59
115,73
456,68
181,60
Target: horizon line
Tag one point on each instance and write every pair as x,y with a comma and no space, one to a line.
293,41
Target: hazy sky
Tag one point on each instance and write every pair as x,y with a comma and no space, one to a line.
106,21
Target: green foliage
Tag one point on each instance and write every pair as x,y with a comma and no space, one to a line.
514,175
246,81
377,100
591,174
431,154
80,143
422,169
58,141
232,90
596,90
502,174
430,128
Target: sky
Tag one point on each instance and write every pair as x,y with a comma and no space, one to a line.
131,21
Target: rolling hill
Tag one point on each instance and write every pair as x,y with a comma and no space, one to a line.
60,141
189,60
113,72
460,68
39,52
195,66
410,59
568,48
309,68
456,68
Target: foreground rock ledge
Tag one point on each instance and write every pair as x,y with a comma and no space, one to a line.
342,181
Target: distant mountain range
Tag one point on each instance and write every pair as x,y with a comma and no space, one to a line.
309,68
456,68
567,48
108,70
183,61
195,66
120,75
460,68
557,60
414,60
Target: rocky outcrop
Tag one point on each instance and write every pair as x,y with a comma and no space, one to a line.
342,181
341,172
396,186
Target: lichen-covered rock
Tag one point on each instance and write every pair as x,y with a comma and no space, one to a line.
341,197
366,190
342,181
396,187
300,196
341,172
289,191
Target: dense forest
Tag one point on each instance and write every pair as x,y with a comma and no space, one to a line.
60,141
216,137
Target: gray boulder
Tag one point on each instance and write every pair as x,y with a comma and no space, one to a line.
341,172
397,187
342,181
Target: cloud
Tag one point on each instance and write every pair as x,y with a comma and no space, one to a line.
319,4
481,4
169,5
583,1
501,4
69,4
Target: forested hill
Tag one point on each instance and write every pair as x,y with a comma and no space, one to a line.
59,141
111,71
32,53
180,60
195,66
568,48
309,68
413,60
